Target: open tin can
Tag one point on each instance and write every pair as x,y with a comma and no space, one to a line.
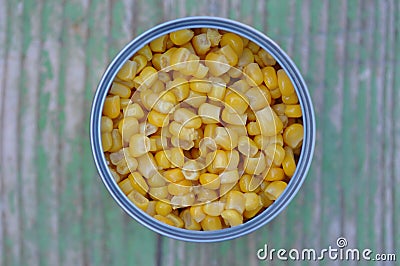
304,98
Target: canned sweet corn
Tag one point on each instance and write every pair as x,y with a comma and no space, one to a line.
202,129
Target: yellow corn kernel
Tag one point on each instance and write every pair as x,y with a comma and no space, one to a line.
127,127
158,193
189,222
184,144
235,72
201,43
162,160
251,214
124,103
151,208
288,163
138,183
127,71
293,110
139,200
120,90
275,153
214,36
213,208
229,177
190,47
246,58
122,168
106,124
255,165
149,76
234,41
290,99
253,73
229,54
146,52
284,83
232,217
253,129
270,78
235,200
156,61
217,92
276,93
245,41
191,169
263,141
206,195
257,98
147,129
179,58
158,119
177,158
279,108
159,45
146,165
225,138
176,220
141,62
174,175
195,99
163,219
220,160
245,183
238,103
181,36
183,200
224,189
230,116
275,174
180,88
191,65
197,213
112,106
233,160
187,118
139,145
180,188
201,71
182,132
202,86
254,48
210,181
134,110
209,113
163,208
106,141
126,186
258,60
117,157
247,146
275,189
270,124
211,223
217,64
266,58
293,135
116,141
165,59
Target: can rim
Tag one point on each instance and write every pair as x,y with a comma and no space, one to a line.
308,123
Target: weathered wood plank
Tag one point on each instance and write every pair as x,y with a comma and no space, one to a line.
9,138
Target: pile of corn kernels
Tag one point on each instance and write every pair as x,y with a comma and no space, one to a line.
202,129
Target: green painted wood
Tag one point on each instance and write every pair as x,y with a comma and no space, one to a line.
54,208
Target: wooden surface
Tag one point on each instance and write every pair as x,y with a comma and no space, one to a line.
54,208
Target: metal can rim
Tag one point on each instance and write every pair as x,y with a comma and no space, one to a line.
308,122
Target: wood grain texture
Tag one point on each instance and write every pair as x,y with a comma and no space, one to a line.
54,210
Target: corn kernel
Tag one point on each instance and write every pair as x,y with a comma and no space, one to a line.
163,208
253,128
195,99
238,103
126,186
211,223
285,85
266,58
255,165
293,110
275,153
247,146
293,135
209,113
112,106
181,37
138,183
179,58
230,116
234,41
177,158
290,99
191,169
106,124
213,208
174,175
275,174
213,36
164,219
139,145
161,158
180,88
275,189
146,52
235,200
159,45
229,54
288,163
141,62
233,159
116,141
210,181
127,71
158,193
225,138
183,200
138,199
134,110
257,98
232,217
229,177
270,124
189,222
121,90
158,119
246,58
253,73
217,64
128,127
201,43
176,220
202,86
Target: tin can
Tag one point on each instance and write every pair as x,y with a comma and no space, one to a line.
308,123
